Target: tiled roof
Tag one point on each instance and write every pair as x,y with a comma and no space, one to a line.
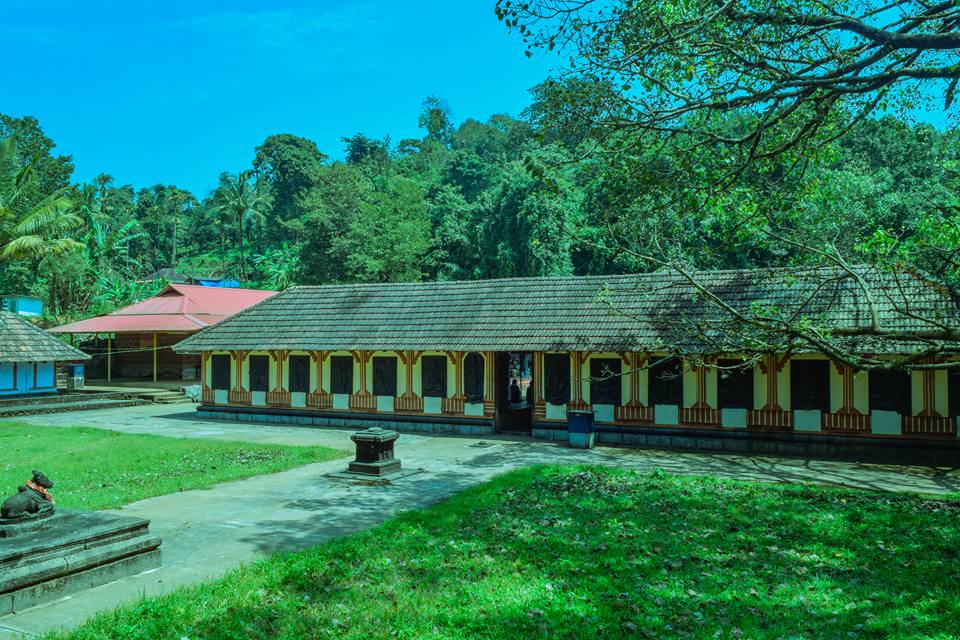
595,313
21,341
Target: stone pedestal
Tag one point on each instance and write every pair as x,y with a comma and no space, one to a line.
46,559
375,452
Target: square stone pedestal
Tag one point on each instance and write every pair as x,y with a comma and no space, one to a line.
70,551
375,452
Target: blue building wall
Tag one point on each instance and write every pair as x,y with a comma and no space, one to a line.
27,378
23,305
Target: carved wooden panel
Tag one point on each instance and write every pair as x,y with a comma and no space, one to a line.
278,398
890,391
665,380
299,374
341,374
734,385
556,378
385,376
320,400
220,372
259,373
473,366
433,371
411,403
605,386
365,401
810,385
452,406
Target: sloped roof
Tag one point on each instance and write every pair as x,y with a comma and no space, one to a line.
179,307
22,341
597,313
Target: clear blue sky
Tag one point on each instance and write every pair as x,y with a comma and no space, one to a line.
176,91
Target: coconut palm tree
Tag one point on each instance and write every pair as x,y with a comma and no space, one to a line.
31,229
240,197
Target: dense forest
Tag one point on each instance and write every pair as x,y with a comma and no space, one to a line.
501,197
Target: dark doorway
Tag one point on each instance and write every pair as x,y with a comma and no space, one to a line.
513,378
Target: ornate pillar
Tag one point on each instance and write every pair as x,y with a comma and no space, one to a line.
579,359
363,399
239,395
455,403
634,410
409,401
206,390
319,398
539,402
489,384
279,395
772,415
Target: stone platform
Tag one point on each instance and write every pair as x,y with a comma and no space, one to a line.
71,551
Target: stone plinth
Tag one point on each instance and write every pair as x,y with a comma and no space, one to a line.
375,452
71,551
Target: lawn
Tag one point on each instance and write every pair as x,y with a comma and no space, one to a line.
597,553
98,469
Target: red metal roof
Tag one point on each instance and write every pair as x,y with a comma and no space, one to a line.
179,307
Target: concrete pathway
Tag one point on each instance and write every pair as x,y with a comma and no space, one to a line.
208,532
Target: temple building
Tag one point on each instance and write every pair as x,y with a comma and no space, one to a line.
134,342
445,357
29,357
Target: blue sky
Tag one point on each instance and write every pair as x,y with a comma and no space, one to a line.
175,91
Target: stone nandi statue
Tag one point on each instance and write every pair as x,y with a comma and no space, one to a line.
32,501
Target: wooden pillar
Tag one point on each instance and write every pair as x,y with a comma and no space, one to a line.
409,400
239,394
929,394
700,371
489,383
363,399
319,398
279,395
770,366
539,402
579,359
109,357
456,403
154,356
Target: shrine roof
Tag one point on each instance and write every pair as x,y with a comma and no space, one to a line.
640,312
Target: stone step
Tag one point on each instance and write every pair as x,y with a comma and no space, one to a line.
56,398
165,397
61,407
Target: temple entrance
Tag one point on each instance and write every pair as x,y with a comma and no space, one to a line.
513,379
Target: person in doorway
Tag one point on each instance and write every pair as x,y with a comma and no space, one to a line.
530,393
515,397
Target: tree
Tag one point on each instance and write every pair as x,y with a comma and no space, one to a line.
797,74
363,150
290,166
389,236
435,119
241,197
31,229
718,124
49,172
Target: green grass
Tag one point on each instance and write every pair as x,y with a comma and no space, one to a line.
98,469
597,553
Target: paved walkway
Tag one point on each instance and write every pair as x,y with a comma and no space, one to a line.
207,532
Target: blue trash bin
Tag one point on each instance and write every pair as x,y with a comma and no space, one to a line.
580,429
